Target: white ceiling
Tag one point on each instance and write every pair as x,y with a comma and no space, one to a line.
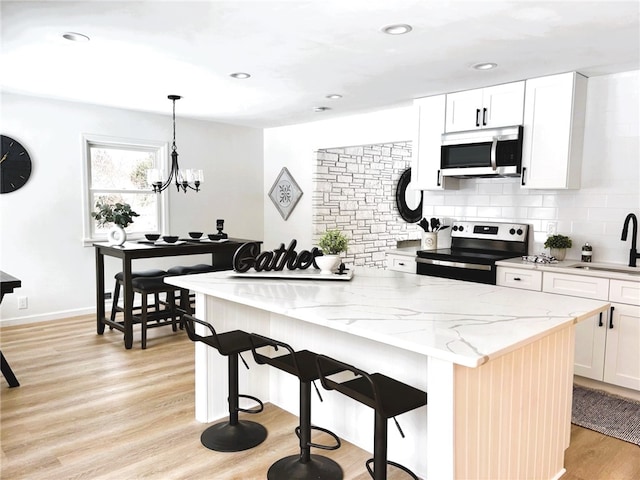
299,51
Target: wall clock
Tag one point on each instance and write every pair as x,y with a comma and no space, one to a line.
15,165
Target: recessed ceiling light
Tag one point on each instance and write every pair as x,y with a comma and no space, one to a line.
240,75
485,66
321,109
75,37
334,96
397,29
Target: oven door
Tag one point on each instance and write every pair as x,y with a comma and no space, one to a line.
469,272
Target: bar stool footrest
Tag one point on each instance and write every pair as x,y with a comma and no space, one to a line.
292,468
253,410
225,437
318,445
393,464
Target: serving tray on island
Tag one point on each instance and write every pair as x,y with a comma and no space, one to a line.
308,274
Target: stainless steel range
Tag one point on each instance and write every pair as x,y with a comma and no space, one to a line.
475,249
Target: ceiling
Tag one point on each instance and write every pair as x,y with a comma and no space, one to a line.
298,52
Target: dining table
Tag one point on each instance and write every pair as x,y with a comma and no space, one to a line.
8,284
221,251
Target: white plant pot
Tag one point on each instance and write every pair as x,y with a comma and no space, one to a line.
117,235
328,263
558,253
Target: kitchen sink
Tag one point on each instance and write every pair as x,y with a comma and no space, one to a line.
607,269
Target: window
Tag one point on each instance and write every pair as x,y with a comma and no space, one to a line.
115,170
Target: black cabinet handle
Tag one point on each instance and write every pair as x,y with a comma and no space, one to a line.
401,264
611,316
477,117
517,279
600,320
438,178
484,116
524,169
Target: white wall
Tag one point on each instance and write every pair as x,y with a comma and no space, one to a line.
294,147
594,213
41,236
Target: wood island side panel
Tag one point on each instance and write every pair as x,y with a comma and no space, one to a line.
513,414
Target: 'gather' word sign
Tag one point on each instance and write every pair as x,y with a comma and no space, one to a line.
249,256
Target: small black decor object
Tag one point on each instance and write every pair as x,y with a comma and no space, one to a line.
407,213
220,235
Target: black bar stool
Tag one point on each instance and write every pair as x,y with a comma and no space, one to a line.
160,316
233,435
119,280
387,397
186,299
304,466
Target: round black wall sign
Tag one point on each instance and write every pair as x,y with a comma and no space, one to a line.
408,214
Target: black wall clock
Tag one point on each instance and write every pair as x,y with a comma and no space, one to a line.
15,165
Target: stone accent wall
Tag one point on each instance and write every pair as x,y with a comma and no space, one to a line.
354,191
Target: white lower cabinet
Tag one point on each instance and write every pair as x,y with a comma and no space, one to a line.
519,278
622,353
401,263
607,345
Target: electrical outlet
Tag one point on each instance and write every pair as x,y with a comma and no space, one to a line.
107,295
552,228
23,303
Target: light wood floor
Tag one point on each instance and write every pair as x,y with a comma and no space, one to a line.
89,409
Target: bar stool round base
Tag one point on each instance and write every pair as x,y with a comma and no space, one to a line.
291,468
224,437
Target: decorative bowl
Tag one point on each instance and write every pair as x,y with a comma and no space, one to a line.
170,238
195,234
152,236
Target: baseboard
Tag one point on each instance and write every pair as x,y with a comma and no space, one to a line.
607,387
44,317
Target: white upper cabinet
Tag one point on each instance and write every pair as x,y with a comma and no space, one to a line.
554,112
425,162
491,107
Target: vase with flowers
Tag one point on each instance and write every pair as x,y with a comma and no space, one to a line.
119,215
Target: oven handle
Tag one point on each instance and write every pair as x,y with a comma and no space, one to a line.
445,263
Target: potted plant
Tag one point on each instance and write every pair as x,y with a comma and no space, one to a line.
119,215
557,245
332,243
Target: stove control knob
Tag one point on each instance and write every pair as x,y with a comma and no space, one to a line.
455,228
461,228
512,231
520,232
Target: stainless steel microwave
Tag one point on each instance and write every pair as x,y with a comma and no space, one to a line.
494,152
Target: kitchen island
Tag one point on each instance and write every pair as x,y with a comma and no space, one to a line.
497,363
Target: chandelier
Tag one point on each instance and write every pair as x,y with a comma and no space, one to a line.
183,179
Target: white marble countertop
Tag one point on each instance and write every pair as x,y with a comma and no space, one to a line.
465,323
576,267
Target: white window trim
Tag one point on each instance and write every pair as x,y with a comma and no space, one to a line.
162,163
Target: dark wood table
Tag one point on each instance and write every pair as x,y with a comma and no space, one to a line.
8,284
221,258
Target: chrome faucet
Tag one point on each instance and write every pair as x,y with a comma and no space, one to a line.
633,253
